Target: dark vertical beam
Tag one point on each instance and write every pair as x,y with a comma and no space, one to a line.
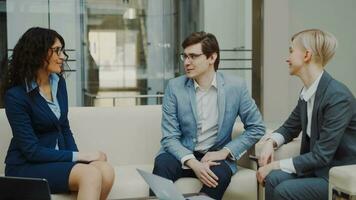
257,53
3,31
3,44
84,48
49,14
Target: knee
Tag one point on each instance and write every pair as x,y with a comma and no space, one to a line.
106,170
108,173
165,163
224,175
91,175
224,180
272,179
160,167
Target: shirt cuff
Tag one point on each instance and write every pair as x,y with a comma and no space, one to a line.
186,158
278,138
74,156
230,156
287,165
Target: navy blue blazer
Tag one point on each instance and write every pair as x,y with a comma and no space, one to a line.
332,141
36,129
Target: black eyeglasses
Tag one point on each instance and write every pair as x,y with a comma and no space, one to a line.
58,51
191,56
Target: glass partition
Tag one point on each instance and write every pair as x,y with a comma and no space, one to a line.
130,51
123,52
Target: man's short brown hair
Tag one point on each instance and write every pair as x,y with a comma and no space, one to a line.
208,42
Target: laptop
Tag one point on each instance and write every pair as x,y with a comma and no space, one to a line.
16,188
165,189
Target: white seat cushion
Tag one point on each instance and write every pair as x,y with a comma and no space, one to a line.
344,178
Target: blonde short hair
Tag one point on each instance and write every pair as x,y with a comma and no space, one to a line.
321,43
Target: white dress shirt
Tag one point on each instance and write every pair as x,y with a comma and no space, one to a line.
207,122
208,114
308,95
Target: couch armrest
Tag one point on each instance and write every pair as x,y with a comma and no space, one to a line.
343,179
246,162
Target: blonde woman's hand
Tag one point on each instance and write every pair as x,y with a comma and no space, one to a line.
267,153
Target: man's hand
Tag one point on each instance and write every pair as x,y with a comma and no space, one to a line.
203,172
91,156
266,153
215,155
262,172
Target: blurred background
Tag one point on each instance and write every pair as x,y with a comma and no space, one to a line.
123,52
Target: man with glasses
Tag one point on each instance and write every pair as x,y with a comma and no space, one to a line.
198,114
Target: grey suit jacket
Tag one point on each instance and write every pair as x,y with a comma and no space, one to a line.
333,129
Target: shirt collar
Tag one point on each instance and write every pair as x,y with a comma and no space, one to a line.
213,83
53,80
306,94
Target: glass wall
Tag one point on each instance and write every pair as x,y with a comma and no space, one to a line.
123,52
130,48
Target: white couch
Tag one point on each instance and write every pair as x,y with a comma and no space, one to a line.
131,138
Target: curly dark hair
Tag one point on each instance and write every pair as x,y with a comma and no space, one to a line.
29,55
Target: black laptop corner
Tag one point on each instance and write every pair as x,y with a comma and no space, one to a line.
18,188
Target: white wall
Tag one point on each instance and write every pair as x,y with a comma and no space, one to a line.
283,18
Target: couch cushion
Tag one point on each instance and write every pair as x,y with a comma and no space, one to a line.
129,183
243,185
64,196
128,135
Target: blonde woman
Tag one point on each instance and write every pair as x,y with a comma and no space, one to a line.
326,116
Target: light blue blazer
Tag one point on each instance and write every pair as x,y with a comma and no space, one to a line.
179,118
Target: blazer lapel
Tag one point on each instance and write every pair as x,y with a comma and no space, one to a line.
192,97
62,101
304,115
305,139
221,100
323,84
42,104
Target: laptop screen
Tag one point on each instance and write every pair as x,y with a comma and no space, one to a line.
163,188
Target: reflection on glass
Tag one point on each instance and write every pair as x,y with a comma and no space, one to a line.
129,51
116,56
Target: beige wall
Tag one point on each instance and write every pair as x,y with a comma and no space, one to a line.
276,90
282,18
337,17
